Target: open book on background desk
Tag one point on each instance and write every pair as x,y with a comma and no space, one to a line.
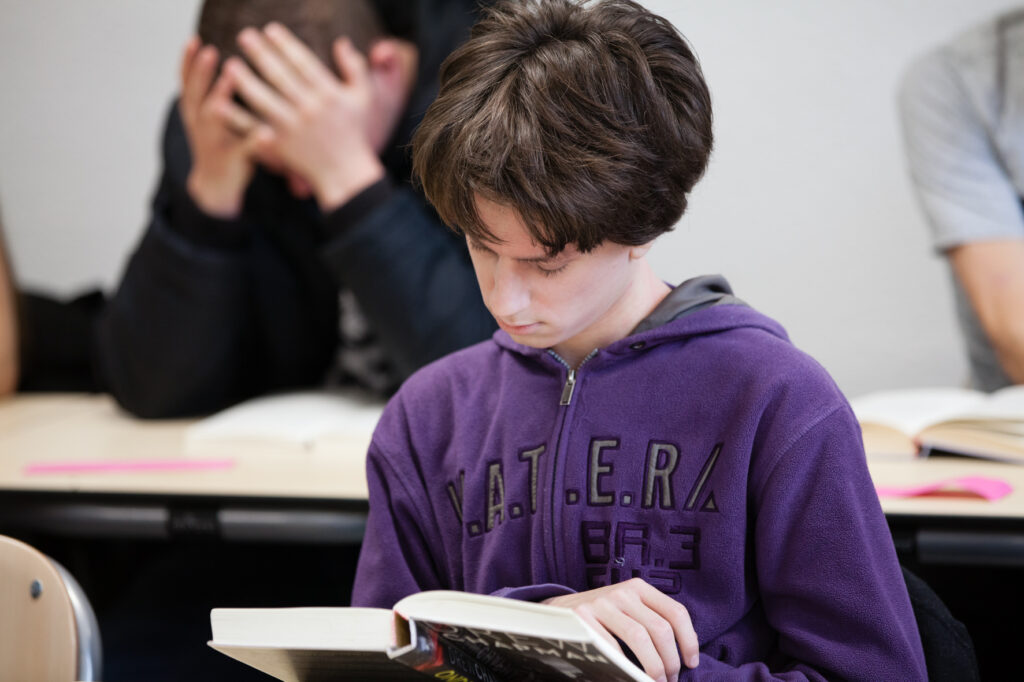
313,422
912,422
444,635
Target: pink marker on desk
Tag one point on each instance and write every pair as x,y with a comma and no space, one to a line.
990,489
127,465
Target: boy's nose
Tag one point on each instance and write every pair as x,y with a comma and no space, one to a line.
509,294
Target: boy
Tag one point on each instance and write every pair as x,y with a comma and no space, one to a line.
286,246
661,460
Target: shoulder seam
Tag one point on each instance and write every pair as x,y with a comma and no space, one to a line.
782,452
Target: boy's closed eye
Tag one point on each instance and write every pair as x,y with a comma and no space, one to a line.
546,265
551,269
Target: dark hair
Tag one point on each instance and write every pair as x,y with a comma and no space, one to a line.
318,23
591,119
400,18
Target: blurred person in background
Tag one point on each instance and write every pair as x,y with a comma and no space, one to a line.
287,247
962,110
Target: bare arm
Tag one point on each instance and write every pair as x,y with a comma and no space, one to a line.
992,275
8,326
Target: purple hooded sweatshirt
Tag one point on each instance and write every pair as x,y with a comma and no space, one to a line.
704,454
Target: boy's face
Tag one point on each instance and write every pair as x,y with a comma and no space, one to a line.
571,302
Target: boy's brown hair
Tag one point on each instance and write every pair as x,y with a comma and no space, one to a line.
317,23
591,119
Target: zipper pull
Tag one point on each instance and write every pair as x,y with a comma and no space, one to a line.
570,385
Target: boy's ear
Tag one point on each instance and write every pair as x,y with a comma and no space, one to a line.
389,58
392,65
637,252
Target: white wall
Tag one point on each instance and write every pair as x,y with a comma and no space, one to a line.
84,88
806,206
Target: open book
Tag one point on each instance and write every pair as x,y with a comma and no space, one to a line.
312,422
444,635
960,421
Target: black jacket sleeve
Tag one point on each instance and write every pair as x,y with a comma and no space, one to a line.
210,312
168,342
411,275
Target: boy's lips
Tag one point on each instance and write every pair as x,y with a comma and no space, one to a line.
518,329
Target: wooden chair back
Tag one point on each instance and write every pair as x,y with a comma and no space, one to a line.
39,632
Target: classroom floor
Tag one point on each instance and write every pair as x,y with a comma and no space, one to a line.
153,600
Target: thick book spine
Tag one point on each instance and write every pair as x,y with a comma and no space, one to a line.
428,653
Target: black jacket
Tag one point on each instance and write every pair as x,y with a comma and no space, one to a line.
210,312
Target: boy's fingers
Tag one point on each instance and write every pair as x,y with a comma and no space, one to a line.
298,54
257,94
233,116
661,634
198,79
259,139
679,618
273,67
236,118
588,617
351,63
635,634
187,56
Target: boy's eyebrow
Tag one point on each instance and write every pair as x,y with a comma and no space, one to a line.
539,259
532,259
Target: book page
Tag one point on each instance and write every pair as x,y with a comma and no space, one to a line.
303,628
1006,404
485,611
911,410
321,665
547,642
309,644
301,422
506,656
974,442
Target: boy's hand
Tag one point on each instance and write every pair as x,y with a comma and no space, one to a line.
217,130
649,622
313,124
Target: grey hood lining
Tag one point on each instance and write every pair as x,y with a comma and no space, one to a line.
689,297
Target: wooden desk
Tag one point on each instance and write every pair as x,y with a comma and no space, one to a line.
313,499
954,530
294,497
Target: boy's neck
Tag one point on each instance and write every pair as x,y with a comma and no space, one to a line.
644,294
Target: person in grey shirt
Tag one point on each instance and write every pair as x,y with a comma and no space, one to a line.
962,112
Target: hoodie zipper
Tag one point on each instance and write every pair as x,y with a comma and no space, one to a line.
570,386
568,390
570,380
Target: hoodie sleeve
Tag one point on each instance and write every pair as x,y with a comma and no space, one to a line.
826,566
401,549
